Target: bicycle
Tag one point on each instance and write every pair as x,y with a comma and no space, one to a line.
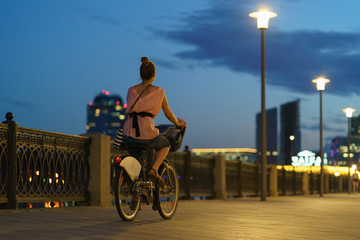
132,185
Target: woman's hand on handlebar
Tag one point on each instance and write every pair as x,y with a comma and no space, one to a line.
181,122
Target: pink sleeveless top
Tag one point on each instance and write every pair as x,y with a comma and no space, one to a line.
151,103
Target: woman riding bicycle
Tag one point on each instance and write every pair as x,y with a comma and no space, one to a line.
147,101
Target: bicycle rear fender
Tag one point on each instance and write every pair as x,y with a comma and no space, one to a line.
131,166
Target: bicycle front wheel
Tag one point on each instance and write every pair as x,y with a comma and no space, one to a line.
126,204
169,194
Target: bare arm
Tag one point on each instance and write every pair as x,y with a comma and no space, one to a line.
170,115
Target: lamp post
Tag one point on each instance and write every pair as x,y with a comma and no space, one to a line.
320,86
349,112
263,16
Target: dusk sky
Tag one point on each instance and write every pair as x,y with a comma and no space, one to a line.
55,56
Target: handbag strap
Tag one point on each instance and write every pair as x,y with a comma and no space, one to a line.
135,103
139,97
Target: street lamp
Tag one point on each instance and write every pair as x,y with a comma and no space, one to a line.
349,112
263,16
320,86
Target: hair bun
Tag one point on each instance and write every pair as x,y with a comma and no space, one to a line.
145,60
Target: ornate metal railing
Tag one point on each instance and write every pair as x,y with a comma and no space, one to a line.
289,182
41,166
314,183
243,179
3,163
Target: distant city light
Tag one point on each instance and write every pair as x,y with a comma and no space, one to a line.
117,102
91,103
125,105
103,91
307,158
107,93
97,112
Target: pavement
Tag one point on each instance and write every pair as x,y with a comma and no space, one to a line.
334,216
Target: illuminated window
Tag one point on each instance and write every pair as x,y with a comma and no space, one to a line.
115,114
115,124
97,112
92,124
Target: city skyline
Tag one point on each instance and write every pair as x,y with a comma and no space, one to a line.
56,56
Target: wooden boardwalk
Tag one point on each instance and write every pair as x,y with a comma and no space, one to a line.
335,216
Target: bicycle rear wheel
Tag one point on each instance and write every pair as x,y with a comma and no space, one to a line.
169,194
126,206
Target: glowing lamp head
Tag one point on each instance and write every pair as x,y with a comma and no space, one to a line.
349,112
320,83
292,138
117,160
263,16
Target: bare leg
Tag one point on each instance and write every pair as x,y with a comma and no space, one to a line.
160,156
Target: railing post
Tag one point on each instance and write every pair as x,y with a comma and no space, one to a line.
239,177
326,183
187,173
294,181
12,162
273,181
311,182
257,176
99,162
305,183
283,177
340,184
220,177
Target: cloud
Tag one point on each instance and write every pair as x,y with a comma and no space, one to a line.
166,63
316,127
105,19
224,35
17,103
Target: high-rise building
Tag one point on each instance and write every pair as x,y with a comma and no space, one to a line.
338,154
105,114
355,126
289,126
271,135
